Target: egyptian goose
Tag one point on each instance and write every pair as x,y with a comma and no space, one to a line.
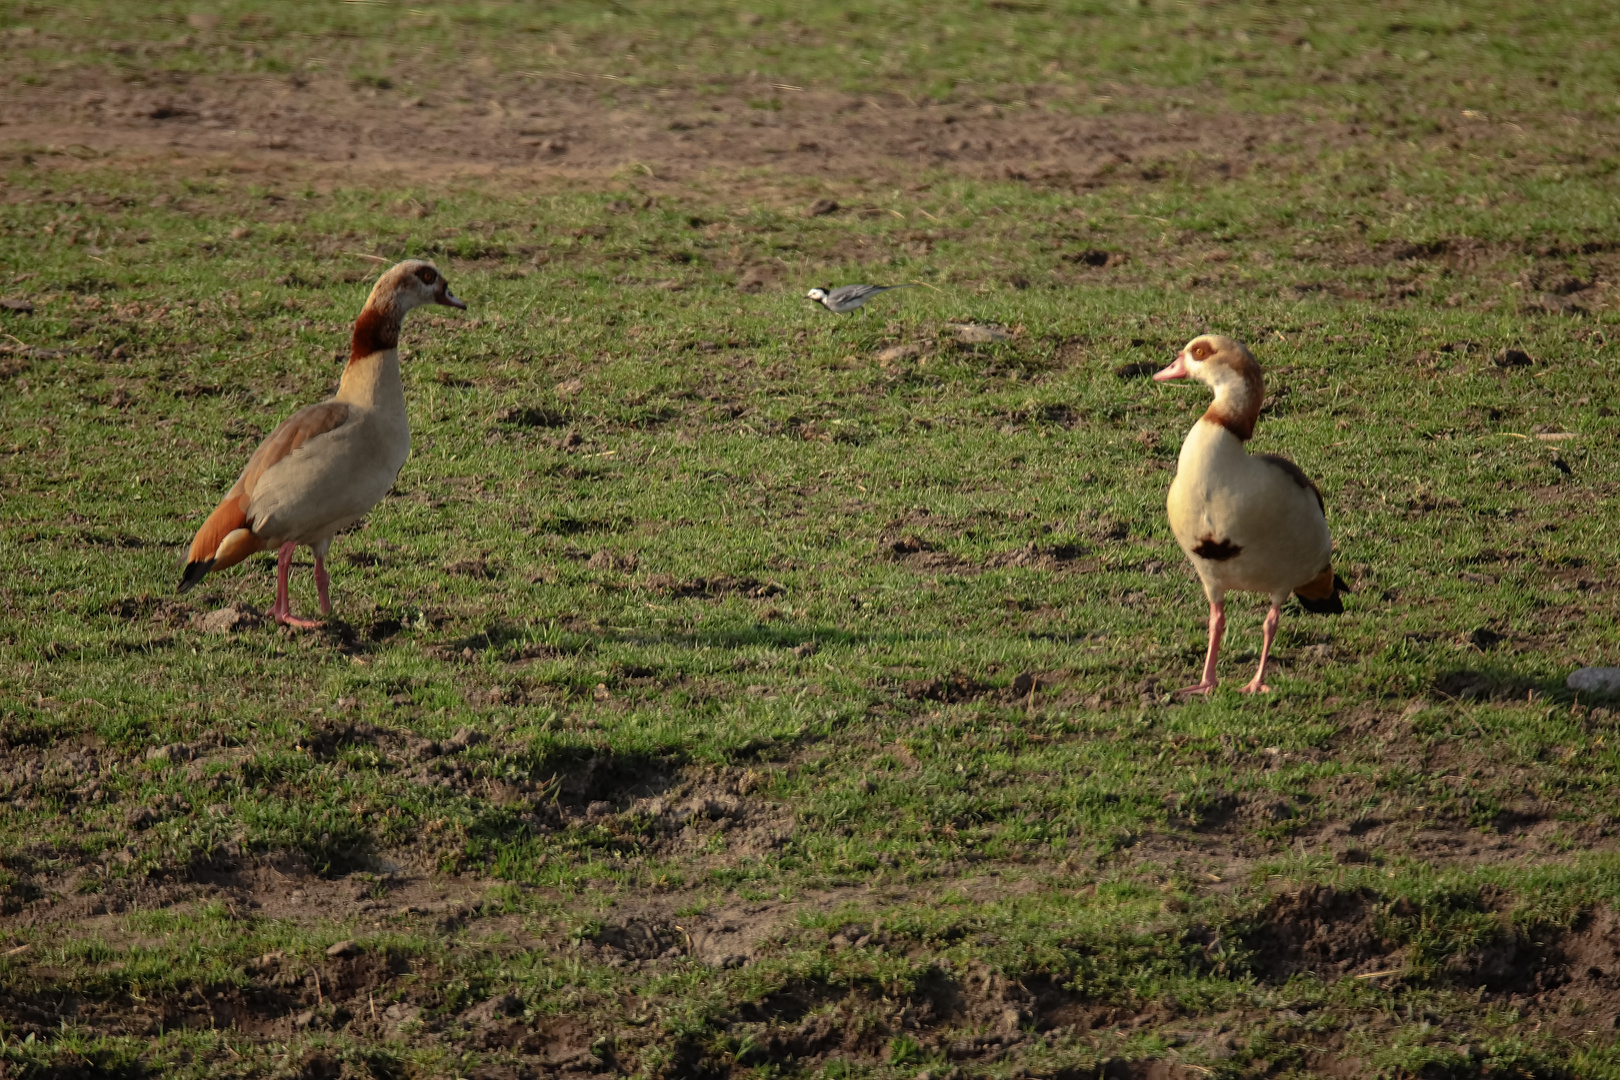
1250,522
327,465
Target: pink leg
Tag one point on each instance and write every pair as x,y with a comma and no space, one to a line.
282,612
323,585
1257,685
1217,628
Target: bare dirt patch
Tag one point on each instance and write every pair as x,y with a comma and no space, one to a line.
1569,979
567,130
1326,932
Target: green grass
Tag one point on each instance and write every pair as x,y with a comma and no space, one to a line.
695,553
1425,56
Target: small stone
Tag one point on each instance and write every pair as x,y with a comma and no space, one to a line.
568,387
896,353
1595,680
241,232
821,208
806,649
343,948
21,306
1512,358
228,620
979,333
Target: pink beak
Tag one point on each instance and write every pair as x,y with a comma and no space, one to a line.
449,299
1176,370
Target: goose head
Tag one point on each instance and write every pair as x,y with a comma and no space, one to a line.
1225,366
412,284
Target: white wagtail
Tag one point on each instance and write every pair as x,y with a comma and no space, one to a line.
848,297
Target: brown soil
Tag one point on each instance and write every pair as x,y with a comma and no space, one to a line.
1569,980
574,132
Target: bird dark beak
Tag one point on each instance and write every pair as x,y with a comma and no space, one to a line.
1176,370
449,299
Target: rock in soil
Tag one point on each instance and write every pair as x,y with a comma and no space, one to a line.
1595,680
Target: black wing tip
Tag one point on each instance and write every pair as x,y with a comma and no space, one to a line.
195,572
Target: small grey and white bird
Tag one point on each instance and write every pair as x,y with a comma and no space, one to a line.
848,297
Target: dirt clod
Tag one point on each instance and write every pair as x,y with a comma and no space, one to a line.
949,689
529,416
171,752
319,1065
979,333
141,817
1092,257
228,620
1135,371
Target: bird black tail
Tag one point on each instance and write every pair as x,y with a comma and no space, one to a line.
195,572
1328,605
